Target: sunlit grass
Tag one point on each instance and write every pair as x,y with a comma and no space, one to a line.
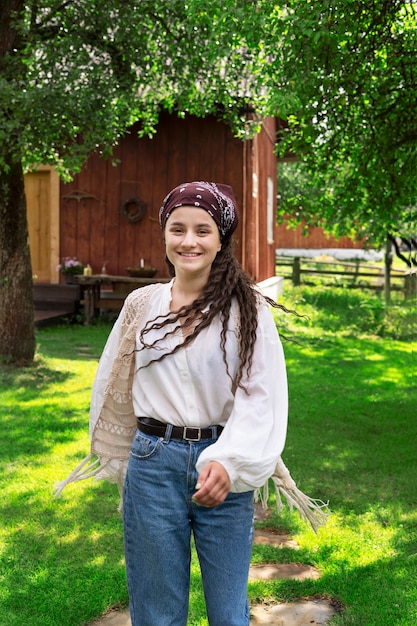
351,440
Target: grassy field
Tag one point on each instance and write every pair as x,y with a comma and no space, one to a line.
351,440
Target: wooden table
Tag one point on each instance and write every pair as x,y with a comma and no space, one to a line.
97,297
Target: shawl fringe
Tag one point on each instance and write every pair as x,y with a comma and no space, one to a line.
85,469
99,469
313,511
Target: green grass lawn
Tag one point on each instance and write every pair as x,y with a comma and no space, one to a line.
352,440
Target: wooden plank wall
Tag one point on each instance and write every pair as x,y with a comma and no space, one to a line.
316,239
92,228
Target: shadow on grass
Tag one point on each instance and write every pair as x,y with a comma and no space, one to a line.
33,403
34,429
73,342
63,563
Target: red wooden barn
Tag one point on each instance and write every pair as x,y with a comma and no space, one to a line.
108,215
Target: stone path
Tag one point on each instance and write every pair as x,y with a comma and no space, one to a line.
302,613
311,612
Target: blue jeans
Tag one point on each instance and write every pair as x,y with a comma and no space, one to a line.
159,518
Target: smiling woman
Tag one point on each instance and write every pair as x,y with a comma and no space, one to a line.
192,387
212,416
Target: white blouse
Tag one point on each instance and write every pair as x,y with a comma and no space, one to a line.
192,388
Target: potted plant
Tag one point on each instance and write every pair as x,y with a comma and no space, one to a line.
70,267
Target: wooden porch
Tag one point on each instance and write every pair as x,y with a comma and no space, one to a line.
87,297
54,303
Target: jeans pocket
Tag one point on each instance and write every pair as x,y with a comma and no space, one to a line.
144,447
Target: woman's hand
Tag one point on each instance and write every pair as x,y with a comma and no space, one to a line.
213,485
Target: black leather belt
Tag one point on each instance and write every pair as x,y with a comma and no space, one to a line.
150,426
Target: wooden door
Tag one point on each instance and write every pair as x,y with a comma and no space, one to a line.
42,202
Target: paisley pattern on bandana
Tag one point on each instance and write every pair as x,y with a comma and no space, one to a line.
215,198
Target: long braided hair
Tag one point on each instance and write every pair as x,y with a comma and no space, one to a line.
227,280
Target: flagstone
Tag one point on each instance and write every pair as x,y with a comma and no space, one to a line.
302,613
267,537
294,571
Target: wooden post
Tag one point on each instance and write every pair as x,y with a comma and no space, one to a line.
296,271
410,285
387,276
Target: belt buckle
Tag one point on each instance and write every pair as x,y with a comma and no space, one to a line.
184,434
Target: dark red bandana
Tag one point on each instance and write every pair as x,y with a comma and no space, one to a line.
217,199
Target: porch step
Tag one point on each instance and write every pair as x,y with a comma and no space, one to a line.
50,318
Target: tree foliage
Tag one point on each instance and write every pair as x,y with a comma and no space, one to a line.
350,67
75,74
83,71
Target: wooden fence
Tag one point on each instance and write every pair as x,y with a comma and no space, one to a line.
347,274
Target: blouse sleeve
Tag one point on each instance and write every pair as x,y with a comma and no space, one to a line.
254,435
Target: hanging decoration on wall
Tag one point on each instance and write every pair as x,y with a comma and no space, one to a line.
133,210
79,195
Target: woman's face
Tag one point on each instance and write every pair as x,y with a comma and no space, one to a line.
192,241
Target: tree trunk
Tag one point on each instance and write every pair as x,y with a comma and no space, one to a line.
17,328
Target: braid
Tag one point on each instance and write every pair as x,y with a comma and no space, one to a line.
227,280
